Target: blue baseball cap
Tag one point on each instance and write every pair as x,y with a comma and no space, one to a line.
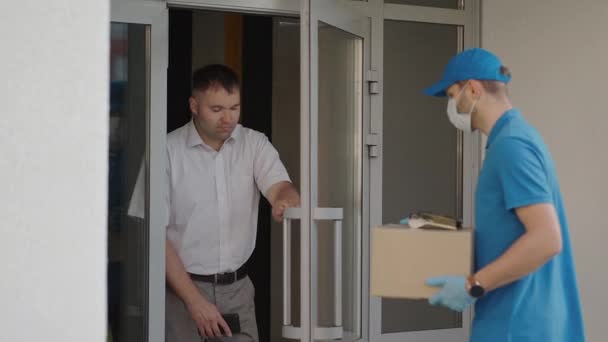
472,64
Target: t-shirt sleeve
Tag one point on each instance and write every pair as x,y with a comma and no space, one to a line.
522,173
268,168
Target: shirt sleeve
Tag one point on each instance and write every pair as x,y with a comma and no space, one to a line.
268,168
522,173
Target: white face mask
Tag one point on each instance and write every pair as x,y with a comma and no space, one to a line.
462,121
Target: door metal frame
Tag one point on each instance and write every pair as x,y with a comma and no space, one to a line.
155,15
305,160
269,7
305,213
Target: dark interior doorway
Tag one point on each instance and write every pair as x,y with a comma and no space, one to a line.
246,42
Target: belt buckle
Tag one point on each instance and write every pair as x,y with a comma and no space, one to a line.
217,277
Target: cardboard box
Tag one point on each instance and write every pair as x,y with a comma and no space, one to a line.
402,258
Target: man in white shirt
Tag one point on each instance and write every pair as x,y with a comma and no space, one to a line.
216,170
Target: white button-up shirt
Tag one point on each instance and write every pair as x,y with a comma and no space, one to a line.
213,196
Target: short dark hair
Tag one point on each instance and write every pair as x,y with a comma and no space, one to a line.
215,75
495,87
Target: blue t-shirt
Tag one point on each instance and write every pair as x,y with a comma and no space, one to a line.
543,306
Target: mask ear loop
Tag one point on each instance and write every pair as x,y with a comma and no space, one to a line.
474,102
473,106
461,90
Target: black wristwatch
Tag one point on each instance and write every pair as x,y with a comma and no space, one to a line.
476,290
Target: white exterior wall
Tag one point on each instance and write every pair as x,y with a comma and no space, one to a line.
558,53
53,166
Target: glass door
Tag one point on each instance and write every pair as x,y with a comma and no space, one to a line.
417,43
334,45
339,37
136,279
435,184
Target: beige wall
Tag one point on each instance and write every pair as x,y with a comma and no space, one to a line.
558,53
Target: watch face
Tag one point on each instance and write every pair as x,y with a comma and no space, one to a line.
477,291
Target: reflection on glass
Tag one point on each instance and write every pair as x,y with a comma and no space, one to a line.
417,133
286,139
339,170
452,4
128,236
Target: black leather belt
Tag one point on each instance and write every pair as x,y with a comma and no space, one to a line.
221,278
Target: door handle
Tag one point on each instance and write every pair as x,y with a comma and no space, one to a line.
336,215
289,330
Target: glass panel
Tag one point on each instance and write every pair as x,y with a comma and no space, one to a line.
416,132
286,139
339,170
453,4
128,236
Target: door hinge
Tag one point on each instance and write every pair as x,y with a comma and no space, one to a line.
373,80
372,141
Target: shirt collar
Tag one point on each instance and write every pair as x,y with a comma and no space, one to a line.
194,139
500,123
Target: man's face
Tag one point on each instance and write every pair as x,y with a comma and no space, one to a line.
216,112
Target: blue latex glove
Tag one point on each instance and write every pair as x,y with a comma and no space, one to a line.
453,293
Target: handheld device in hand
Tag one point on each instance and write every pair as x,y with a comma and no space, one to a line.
234,322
